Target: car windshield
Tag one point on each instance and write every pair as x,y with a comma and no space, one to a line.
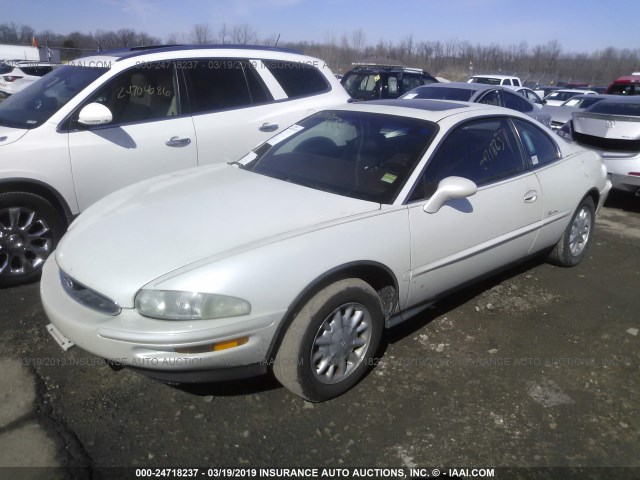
367,156
631,109
582,102
5,68
560,95
34,105
486,80
441,93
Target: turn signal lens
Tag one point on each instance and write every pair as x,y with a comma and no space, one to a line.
215,347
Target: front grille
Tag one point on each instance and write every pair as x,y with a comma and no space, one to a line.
88,297
607,144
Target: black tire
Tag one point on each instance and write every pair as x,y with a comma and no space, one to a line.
30,229
300,362
575,241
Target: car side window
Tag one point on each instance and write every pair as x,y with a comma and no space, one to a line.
222,84
484,151
144,93
516,102
491,98
298,79
392,83
410,81
540,149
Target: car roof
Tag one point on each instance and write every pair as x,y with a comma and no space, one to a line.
494,76
425,109
598,95
572,90
125,53
476,87
384,68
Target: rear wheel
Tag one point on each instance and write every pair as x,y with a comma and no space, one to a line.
573,245
332,342
30,228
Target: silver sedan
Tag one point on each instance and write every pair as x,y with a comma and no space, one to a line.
480,93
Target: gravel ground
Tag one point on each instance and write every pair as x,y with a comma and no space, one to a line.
538,367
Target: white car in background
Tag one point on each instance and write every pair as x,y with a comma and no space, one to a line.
106,121
561,114
18,75
296,257
611,127
558,97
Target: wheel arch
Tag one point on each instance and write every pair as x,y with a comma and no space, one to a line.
379,276
595,196
41,189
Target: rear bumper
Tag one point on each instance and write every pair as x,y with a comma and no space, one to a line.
620,169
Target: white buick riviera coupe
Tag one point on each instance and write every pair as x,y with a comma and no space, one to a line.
296,257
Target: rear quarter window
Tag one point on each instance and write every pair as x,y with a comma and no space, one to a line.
36,71
297,79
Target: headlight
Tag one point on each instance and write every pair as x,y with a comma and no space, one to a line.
175,305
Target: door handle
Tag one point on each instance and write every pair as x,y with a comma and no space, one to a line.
177,142
268,127
531,196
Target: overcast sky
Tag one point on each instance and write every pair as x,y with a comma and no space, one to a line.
578,26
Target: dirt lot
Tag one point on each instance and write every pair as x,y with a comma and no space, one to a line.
536,368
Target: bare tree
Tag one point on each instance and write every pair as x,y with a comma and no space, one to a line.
200,34
126,37
243,35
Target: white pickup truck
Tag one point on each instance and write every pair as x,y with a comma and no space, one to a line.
504,80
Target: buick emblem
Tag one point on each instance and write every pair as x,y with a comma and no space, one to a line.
68,281
610,123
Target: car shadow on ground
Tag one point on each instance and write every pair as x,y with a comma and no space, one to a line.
621,200
231,388
457,299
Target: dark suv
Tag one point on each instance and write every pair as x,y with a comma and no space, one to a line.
374,82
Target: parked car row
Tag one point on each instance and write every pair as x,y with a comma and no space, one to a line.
343,219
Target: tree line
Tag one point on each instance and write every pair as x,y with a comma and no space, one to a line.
452,59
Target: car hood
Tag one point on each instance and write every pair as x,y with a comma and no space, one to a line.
147,230
10,135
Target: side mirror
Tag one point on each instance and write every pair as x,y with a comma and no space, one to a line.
95,114
448,188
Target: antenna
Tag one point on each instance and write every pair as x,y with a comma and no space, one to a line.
277,39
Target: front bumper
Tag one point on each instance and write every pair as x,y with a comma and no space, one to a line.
149,346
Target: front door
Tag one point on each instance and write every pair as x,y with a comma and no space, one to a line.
469,237
148,136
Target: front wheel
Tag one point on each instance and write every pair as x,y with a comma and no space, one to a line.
30,228
332,341
573,245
